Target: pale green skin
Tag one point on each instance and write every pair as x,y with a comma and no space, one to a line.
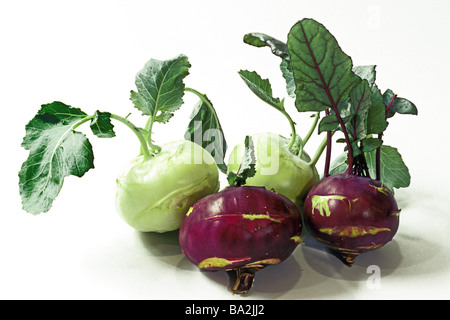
294,177
155,195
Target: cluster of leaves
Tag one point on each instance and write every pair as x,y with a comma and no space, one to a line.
319,76
57,149
161,88
322,78
154,82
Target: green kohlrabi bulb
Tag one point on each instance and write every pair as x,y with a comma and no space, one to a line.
155,195
277,168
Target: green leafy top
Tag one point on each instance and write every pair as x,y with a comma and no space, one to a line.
321,77
279,49
101,125
160,91
160,87
262,88
322,71
259,40
56,151
395,104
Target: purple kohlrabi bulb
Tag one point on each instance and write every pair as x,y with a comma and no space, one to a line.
351,215
240,228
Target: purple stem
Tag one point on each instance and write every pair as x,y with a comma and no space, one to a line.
328,152
380,136
328,155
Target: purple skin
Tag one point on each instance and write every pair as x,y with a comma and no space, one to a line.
240,228
351,215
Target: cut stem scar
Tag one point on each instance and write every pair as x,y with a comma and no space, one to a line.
244,280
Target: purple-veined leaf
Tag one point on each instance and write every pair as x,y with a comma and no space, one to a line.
322,71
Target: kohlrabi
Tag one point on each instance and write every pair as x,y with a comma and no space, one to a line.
159,186
348,211
277,167
241,229
155,195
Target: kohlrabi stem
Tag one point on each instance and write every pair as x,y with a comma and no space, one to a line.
148,128
280,107
293,133
326,172
85,119
202,97
144,147
347,140
320,150
130,125
378,160
311,130
380,136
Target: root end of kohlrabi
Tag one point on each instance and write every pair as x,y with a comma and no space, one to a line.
241,280
347,258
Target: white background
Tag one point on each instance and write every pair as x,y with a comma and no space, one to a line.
86,54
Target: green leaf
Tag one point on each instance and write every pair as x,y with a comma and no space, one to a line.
286,70
393,171
259,40
366,73
56,151
360,101
261,87
376,116
339,164
247,168
369,144
328,123
205,130
163,117
399,105
279,49
160,87
322,71
331,123
101,125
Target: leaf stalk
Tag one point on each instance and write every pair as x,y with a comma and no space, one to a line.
320,150
380,136
311,130
139,135
148,127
